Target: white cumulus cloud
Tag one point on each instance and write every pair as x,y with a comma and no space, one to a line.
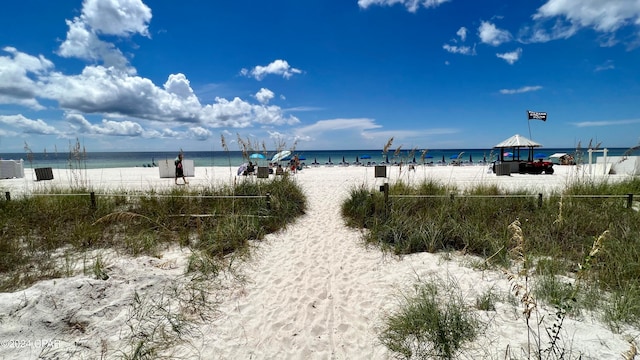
561,19
603,16
111,17
17,73
27,125
512,56
490,34
107,127
264,95
277,67
117,17
199,133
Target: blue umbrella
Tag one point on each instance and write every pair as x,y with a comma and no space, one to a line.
540,155
302,158
257,156
365,156
429,157
453,157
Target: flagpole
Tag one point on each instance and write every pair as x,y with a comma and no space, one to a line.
529,123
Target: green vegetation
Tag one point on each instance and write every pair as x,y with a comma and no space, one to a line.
432,323
563,231
41,235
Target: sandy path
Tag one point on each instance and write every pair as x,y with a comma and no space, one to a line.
313,291
305,293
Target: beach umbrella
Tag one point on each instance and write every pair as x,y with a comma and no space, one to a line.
257,156
414,160
386,159
280,156
470,158
329,160
443,160
315,160
357,159
343,160
242,168
453,157
540,155
507,154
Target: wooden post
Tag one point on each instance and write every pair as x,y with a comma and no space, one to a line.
539,200
385,189
629,201
373,204
268,201
93,200
7,195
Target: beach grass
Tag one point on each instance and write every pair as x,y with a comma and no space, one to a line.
432,322
44,232
561,230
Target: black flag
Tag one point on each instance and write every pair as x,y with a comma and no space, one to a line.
536,115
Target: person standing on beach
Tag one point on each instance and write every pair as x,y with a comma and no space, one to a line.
180,169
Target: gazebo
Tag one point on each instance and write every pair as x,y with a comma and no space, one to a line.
512,147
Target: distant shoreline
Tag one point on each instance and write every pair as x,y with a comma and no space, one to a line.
100,160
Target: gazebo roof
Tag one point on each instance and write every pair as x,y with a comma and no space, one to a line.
517,141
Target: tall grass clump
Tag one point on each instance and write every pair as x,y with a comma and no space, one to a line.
559,228
431,216
40,233
433,322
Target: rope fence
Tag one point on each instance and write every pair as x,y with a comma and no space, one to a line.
93,195
539,196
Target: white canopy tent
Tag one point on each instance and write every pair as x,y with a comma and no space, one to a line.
515,143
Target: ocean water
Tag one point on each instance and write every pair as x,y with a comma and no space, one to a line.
96,160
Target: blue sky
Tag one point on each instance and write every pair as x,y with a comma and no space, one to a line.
157,75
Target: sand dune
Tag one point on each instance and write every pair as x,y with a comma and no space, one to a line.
311,291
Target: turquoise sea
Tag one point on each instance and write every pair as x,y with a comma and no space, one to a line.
95,160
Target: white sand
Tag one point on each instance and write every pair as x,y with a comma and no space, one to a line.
312,291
